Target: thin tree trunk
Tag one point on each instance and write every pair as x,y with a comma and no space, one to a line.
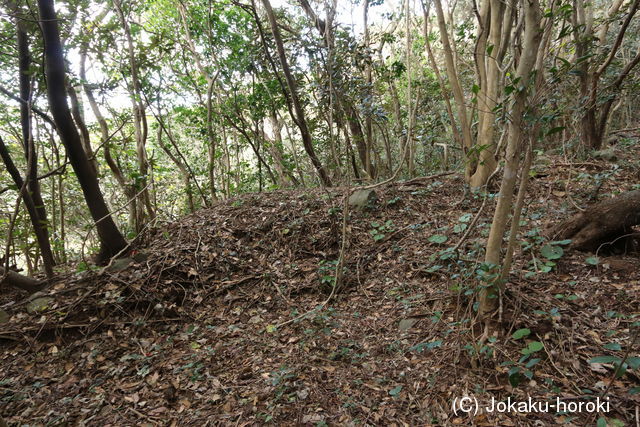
488,297
357,135
41,235
212,146
275,149
111,239
37,211
139,116
615,90
129,190
299,117
368,131
76,112
456,88
445,93
489,92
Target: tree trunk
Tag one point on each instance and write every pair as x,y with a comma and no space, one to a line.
211,138
368,164
488,297
602,223
358,136
78,117
456,88
128,190
445,93
594,120
490,88
286,178
139,119
299,117
184,171
211,146
111,239
37,210
42,235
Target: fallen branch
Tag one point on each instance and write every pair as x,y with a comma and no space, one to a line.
16,280
420,179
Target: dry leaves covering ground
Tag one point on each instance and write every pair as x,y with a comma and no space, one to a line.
189,336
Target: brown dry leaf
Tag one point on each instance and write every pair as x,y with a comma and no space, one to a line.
133,398
152,379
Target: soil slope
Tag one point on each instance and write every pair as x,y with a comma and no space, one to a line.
188,334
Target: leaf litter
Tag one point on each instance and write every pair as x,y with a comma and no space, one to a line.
186,333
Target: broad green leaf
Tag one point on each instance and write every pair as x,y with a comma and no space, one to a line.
535,346
551,252
633,362
459,228
521,333
438,238
426,346
613,346
605,359
532,363
465,218
592,260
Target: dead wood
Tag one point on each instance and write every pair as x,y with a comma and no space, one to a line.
19,281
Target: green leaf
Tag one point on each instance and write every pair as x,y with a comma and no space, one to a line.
561,242
418,348
459,228
605,359
602,422
551,252
535,346
465,218
438,238
532,363
532,347
521,333
633,362
271,328
395,391
613,346
592,260
515,379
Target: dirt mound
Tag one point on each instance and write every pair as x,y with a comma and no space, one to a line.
186,332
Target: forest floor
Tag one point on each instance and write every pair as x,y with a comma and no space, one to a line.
190,336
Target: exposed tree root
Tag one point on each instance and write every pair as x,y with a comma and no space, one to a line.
603,224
